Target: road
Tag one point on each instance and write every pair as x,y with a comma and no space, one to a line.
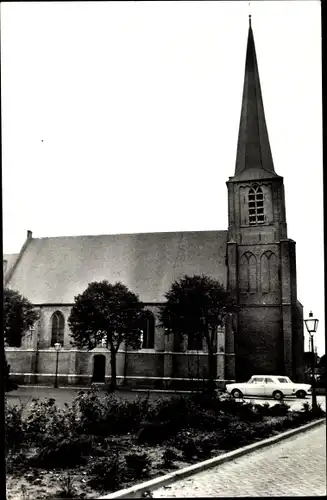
294,467
24,394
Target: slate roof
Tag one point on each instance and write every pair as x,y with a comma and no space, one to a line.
55,270
10,258
254,159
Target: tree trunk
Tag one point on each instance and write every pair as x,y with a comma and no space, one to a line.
125,363
113,381
212,370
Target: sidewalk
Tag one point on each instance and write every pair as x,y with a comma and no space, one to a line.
295,467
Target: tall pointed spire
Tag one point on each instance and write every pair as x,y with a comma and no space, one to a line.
254,159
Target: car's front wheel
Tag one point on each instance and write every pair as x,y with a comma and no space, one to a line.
237,394
301,394
278,395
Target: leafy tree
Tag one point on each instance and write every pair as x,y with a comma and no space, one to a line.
19,316
196,306
106,312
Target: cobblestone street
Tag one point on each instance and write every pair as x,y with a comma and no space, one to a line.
294,467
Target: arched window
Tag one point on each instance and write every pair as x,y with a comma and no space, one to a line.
248,272
147,325
57,328
256,212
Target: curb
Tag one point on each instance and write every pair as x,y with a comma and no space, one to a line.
137,490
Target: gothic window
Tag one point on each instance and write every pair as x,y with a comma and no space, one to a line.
269,272
248,272
256,211
147,325
57,328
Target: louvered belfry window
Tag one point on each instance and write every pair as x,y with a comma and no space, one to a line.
256,209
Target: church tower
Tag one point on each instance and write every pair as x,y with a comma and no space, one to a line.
268,327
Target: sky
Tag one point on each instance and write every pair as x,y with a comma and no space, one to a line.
122,117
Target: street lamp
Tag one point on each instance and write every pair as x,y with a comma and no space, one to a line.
31,336
312,325
57,347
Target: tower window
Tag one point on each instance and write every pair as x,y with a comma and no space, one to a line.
256,210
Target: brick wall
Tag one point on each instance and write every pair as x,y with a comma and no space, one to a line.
47,361
259,342
190,365
19,361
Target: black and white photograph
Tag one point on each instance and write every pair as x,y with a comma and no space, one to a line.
163,249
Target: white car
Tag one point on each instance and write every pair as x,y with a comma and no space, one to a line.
276,386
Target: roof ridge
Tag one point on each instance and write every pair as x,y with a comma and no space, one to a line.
130,234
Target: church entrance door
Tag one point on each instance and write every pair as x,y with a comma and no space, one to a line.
99,368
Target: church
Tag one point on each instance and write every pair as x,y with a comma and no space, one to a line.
253,258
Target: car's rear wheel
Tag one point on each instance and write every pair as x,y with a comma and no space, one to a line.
236,393
301,394
278,395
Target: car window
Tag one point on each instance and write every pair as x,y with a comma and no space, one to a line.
283,380
257,380
269,381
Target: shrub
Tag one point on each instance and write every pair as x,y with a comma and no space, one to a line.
17,461
14,428
279,410
206,401
67,452
289,422
262,409
248,413
198,411
67,489
174,409
109,414
306,407
318,412
138,465
168,458
190,449
206,447
236,435
106,473
45,422
310,413
262,430
156,432
188,444
230,405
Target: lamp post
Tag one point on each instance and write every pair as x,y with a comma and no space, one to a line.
31,329
312,325
57,347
